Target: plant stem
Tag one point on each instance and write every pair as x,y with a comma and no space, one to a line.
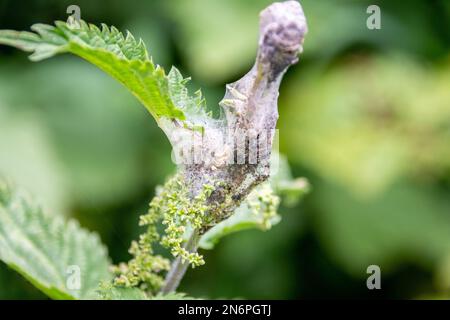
250,107
178,268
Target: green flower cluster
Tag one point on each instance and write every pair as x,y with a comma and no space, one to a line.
144,269
264,205
181,214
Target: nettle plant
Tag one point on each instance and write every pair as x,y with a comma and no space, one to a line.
222,184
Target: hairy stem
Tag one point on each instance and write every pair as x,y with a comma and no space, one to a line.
178,268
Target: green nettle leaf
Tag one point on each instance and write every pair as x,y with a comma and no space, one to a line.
109,292
122,57
284,184
58,257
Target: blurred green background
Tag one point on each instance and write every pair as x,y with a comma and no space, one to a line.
365,116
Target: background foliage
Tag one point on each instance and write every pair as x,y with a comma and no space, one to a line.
365,116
